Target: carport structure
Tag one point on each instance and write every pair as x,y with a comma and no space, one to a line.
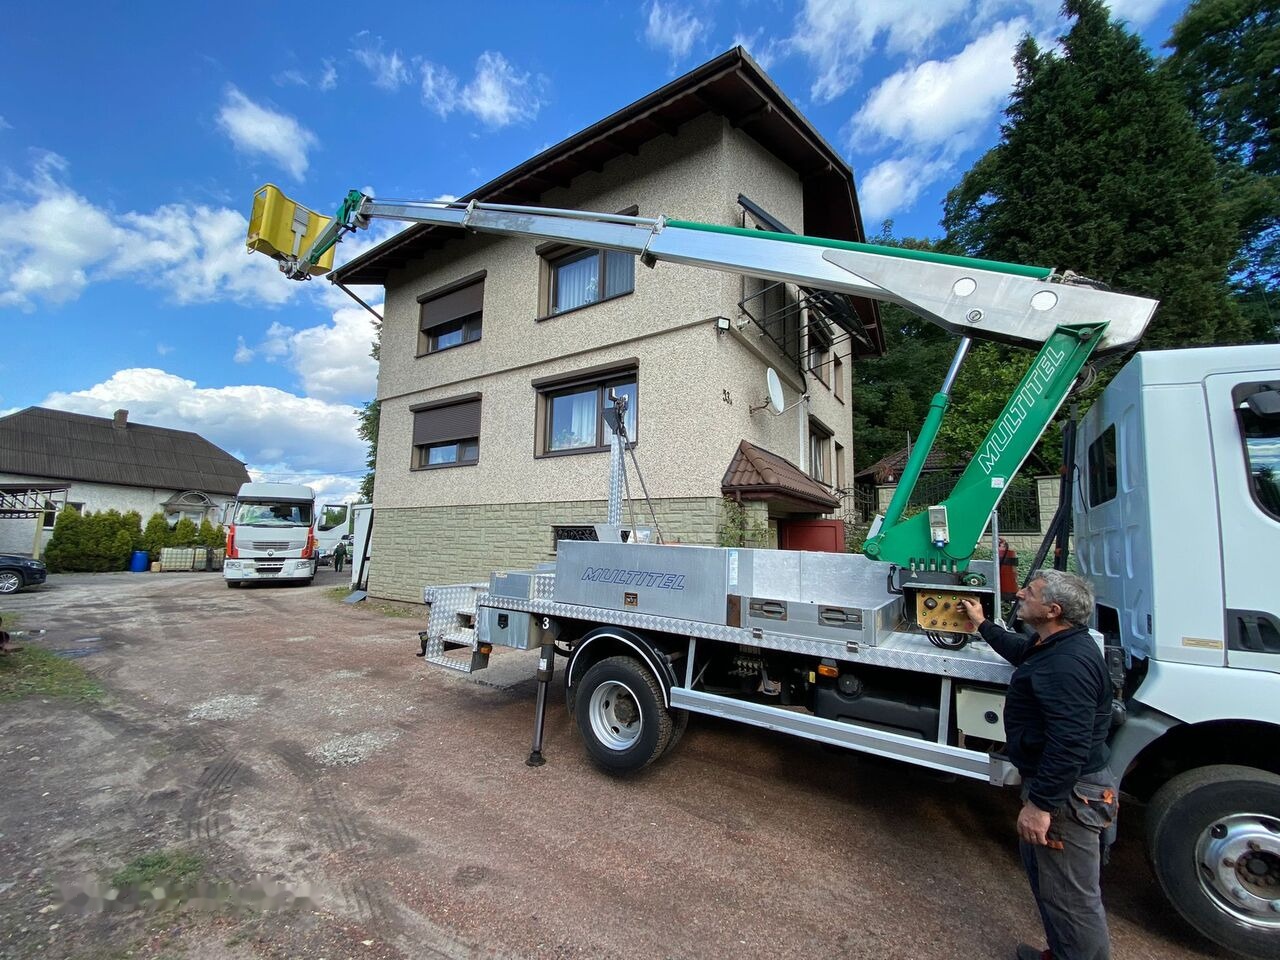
29,502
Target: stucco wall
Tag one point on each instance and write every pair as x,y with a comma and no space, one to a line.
17,536
696,383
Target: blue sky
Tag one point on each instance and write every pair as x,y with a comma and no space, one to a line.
132,137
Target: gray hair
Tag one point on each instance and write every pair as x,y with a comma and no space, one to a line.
1072,593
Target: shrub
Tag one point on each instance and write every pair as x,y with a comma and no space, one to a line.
185,534
156,536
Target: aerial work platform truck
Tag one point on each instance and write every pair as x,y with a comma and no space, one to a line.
1173,485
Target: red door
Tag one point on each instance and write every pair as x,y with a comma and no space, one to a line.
823,536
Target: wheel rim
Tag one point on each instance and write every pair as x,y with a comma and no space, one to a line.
616,720
9,581
1238,861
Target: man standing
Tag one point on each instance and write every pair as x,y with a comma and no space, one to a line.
339,555
1057,715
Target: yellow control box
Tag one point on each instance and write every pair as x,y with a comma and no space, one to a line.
941,610
281,228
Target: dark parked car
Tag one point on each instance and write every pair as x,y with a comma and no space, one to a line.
17,572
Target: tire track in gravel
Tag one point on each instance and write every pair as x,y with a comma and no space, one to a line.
204,812
338,833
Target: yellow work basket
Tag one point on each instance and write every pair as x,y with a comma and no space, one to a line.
281,228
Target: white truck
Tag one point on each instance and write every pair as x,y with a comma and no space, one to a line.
270,535
1177,524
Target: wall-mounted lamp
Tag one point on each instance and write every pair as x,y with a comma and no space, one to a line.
722,324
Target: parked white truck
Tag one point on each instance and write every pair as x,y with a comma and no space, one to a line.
1177,523
270,534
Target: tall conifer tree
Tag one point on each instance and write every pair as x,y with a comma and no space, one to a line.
1101,170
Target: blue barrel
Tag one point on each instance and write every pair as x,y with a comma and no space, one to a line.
140,562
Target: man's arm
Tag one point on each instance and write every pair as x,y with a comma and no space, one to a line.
1012,646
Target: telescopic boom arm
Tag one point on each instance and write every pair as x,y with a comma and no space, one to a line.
1065,319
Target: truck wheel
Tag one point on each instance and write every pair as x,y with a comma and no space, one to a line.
679,724
232,584
1213,835
621,716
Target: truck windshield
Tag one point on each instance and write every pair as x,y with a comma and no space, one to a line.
273,514
332,515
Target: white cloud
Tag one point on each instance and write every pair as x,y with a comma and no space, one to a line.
255,129
389,70
5,124
837,35
1137,12
269,429
498,95
294,77
765,52
439,89
331,360
195,253
673,29
163,349
895,184
943,102
290,78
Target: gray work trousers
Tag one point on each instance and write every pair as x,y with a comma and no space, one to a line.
1065,877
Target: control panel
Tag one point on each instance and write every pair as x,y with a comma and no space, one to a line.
939,609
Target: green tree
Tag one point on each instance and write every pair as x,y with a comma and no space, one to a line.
1101,170
368,431
210,535
1225,58
65,542
185,533
155,536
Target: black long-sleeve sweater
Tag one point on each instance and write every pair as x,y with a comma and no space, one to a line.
1057,713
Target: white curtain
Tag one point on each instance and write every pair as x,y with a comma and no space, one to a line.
576,283
573,420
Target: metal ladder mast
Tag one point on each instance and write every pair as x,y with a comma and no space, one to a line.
1020,305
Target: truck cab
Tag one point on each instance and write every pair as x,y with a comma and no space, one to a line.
1177,524
271,535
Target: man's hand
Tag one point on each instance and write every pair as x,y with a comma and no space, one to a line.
1033,824
973,610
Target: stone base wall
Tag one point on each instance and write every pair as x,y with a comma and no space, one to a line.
416,546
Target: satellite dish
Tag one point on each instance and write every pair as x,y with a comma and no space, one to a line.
776,403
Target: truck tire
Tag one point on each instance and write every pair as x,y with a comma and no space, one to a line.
232,584
1213,836
621,716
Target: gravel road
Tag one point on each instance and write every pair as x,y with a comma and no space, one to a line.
366,806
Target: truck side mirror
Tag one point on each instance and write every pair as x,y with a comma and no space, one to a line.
1265,404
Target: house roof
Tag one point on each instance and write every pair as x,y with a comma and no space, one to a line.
57,445
756,474
733,86
891,466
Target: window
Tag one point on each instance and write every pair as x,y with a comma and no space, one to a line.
818,439
1102,467
578,278
51,512
837,376
452,316
1261,435
571,412
581,532
446,434
819,345
839,458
